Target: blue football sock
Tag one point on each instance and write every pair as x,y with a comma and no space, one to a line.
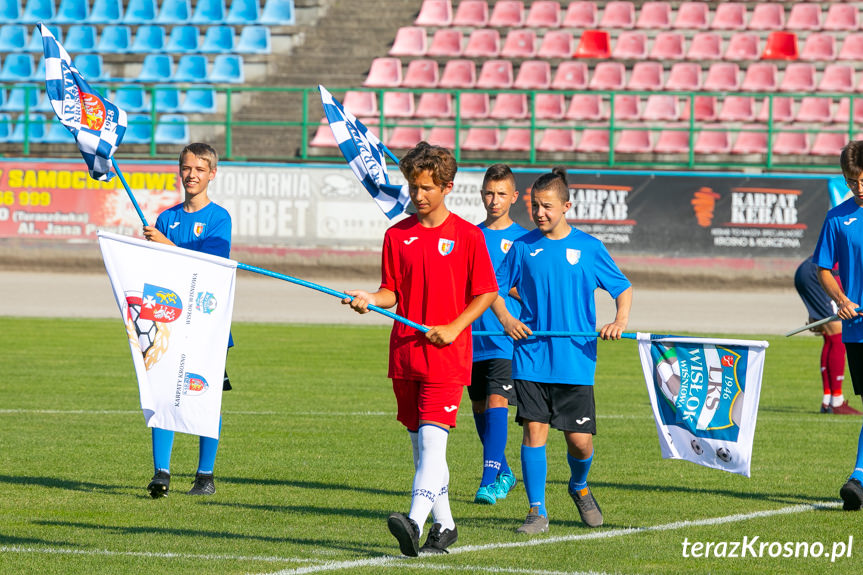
579,469
207,447
495,442
479,421
534,470
163,443
858,465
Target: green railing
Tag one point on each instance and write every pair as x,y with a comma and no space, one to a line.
240,138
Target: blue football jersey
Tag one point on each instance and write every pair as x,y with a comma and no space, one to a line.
208,230
498,243
556,280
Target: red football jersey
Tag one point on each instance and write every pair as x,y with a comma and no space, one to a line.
435,273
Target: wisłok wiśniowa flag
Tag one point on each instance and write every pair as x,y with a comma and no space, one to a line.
177,306
704,394
365,155
97,124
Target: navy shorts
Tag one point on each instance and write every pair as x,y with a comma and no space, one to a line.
564,407
817,302
490,376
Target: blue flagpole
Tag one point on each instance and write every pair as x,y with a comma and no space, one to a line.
129,191
625,335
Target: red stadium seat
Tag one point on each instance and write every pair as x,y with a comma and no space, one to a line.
549,106
434,105
630,45
654,15
482,138
483,43
672,142
843,111
722,77
633,142
828,144
790,143
570,75
435,13
729,16
471,14
760,77
586,107
684,77
446,42
442,136
852,47
751,142
626,108
507,14
474,105
495,75
510,107
705,109
837,78
618,15
421,73
767,16
692,16
608,76
410,41
705,46
398,104
594,141
404,137
516,140
581,15
556,140
544,14
533,75
842,17
781,110
661,108
781,46
594,44
667,46
556,44
814,110
742,46
737,109
712,143
819,48
519,44
646,76
458,74
799,77
804,16
323,137
384,73
361,103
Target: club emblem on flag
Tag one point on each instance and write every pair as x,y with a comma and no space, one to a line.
198,229
151,337
445,246
505,245
194,384
572,256
160,304
205,302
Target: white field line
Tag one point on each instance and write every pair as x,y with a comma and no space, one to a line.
108,553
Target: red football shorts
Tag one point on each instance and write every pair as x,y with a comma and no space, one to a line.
423,401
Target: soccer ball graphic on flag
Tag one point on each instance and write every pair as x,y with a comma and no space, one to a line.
151,336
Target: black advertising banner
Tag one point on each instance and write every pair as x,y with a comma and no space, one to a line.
694,214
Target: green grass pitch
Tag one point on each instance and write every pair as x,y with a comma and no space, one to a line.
312,461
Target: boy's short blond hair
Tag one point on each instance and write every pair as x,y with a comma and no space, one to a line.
203,151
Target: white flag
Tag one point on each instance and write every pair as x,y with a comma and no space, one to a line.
177,305
704,394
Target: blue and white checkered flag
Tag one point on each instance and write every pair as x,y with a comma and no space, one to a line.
97,124
364,153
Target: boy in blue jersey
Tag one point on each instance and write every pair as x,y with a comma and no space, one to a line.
555,269
841,242
491,388
201,225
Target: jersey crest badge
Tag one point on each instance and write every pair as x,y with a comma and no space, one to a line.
445,246
505,245
198,229
572,256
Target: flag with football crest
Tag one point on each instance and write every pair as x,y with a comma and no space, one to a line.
177,306
364,153
704,394
97,124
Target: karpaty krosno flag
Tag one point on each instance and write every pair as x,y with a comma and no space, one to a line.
365,154
176,305
704,394
97,124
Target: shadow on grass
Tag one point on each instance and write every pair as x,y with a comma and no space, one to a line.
59,483
10,541
312,485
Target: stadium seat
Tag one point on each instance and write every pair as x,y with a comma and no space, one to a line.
384,73
710,142
10,11
132,99
625,108
516,140
594,44
184,39
842,17
760,77
174,12
44,104
436,13
483,43
722,77
852,47
814,109
692,16
781,46
253,40
507,14
767,16
91,67
510,107
729,16
672,142
549,106
57,133
661,108
421,74
221,40
533,75
781,109
819,48
837,78
277,13
410,41
227,69
72,12
36,45
654,15
828,144
398,104
38,11
667,46
570,75
323,136
495,75
630,45
586,107
843,111
167,99
750,142
139,129
81,38
361,103
140,12
556,140
442,136
519,44
790,143
608,76
38,74
705,46
646,76
618,15
705,109
742,46
482,138
474,105
156,68
804,16
209,12
737,109
633,142
106,12
544,14
799,77
21,98
446,42
471,14
556,44
434,105
30,128
17,67
172,129
458,74
148,39
13,38
243,12
684,77
594,141
191,69
404,137
581,15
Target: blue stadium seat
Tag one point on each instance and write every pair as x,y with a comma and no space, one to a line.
174,12
81,38
148,39
184,39
172,129
244,12
132,99
38,74
139,129
91,67
21,97
115,40
278,13
227,69
10,11
254,40
72,12
156,68
38,11
17,67
34,130
13,38
167,99
199,101
209,12
192,69
5,127
44,104
57,133
218,40
36,45
106,12
140,12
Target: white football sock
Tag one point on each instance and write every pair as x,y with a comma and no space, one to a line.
441,511
838,400
430,472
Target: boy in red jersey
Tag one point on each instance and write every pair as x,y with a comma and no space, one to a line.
436,267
